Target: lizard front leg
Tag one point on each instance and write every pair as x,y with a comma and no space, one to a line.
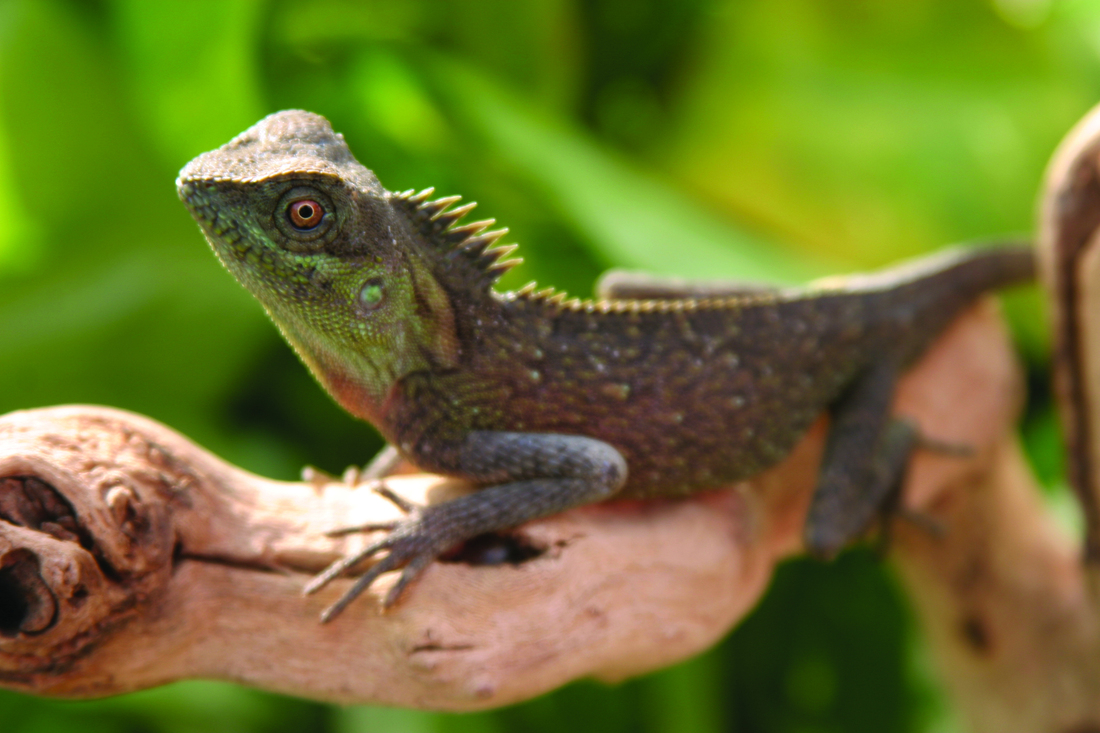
382,465
531,475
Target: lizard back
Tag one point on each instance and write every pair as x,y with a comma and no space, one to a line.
693,392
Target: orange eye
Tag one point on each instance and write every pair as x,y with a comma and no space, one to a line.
305,214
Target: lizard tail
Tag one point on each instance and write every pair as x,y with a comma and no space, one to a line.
938,287
976,270
926,294
965,270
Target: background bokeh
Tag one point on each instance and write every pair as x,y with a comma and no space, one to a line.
775,139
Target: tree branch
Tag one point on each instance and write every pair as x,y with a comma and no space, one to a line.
1009,601
131,558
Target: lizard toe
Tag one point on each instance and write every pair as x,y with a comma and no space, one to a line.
394,498
412,545
341,566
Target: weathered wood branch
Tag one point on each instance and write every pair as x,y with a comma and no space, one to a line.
132,558
1010,600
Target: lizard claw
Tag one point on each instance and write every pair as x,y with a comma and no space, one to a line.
351,476
390,495
394,498
316,478
929,524
361,528
412,545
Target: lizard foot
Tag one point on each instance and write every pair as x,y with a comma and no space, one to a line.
413,543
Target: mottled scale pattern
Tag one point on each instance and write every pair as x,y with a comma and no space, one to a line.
693,397
547,400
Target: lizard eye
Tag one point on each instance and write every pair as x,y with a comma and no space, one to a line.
372,294
305,214
306,218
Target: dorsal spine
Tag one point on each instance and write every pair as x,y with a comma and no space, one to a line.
464,252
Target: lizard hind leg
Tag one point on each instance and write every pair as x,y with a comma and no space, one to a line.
866,456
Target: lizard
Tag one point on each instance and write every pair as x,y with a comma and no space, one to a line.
655,388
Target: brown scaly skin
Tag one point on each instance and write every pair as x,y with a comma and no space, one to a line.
550,403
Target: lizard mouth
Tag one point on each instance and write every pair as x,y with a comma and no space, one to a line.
193,195
221,230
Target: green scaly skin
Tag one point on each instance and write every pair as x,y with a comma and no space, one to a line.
550,403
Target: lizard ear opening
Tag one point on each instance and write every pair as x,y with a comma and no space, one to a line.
372,294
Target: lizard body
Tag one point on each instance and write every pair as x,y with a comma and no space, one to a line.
550,402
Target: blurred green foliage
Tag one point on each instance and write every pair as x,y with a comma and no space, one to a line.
775,139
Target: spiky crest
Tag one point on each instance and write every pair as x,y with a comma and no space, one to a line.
465,252
561,301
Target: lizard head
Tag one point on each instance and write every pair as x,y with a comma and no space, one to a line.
311,233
